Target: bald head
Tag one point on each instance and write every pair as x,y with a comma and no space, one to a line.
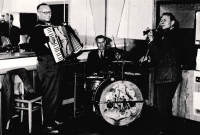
44,12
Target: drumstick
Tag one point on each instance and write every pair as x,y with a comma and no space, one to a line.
144,57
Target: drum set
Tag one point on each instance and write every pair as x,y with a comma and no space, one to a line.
114,95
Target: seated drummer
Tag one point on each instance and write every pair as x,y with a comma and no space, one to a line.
100,59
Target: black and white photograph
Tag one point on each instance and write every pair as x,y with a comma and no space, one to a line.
100,67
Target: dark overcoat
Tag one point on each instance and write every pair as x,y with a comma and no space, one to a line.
165,55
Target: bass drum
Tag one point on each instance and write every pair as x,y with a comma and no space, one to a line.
118,102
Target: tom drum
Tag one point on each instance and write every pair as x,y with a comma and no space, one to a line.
93,82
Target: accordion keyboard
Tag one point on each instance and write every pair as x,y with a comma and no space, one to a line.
55,47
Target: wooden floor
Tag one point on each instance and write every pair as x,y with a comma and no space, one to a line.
88,123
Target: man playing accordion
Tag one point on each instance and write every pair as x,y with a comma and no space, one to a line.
50,73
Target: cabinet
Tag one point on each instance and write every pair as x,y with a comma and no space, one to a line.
0,117
186,101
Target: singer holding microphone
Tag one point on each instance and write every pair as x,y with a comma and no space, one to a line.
165,57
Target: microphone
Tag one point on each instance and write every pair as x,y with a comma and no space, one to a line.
147,31
153,30
114,43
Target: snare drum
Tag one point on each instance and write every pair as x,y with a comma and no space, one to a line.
93,82
119,102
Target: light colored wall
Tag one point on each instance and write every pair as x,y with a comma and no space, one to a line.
125,18
25,6
126,21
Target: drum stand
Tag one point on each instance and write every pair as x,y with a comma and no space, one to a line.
75,75
123,70
76,112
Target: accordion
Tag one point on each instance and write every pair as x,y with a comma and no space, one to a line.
64,41
5,41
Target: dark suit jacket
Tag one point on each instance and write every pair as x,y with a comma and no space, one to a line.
12,33
38,40
96,64
166,56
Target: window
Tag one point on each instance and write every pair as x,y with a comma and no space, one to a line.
59,13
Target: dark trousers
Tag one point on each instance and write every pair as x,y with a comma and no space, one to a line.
50,74
165,94
8,91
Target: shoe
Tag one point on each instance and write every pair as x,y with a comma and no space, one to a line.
59,123
51,130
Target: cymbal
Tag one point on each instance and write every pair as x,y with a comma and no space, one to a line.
108,72
95,77
122,61
131,73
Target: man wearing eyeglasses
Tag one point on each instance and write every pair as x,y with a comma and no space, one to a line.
100,59
50,73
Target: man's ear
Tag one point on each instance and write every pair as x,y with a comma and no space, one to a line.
172,23
38,15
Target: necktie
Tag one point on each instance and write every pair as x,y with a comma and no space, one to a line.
101,54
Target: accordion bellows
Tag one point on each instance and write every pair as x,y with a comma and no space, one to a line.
65,41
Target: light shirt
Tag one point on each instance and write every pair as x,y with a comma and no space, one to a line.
101,52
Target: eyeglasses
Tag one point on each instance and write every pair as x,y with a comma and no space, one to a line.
101,42
46,12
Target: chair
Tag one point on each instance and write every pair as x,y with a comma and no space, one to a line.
30,104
